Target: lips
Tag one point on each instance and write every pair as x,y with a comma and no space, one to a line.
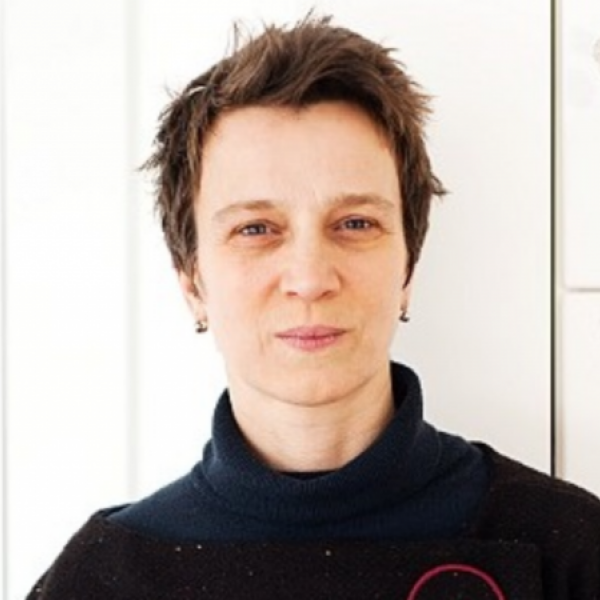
314,331
312,337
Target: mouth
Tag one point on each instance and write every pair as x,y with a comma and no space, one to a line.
311,338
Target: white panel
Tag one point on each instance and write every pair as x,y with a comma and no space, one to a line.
3,482
481,313
580,414
66,262
580,104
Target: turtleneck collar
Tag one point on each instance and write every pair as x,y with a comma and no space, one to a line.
403,459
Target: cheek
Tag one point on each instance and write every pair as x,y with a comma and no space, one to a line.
234,290
382,280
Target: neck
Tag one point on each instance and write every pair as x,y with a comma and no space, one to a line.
301,437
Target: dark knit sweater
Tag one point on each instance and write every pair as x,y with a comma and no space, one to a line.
528,537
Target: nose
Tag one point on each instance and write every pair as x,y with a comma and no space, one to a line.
310,271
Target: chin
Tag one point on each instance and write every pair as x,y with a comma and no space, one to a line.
322,387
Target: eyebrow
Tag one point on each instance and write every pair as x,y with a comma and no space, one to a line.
342,200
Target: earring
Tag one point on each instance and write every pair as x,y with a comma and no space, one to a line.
201,326
404,318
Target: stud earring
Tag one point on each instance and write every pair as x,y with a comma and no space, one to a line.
201,326
404,318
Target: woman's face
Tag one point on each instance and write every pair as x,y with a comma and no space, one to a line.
301,258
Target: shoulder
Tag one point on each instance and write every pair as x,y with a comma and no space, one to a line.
87,562
165,514
561,519
521,494
514,484
106,559
102,551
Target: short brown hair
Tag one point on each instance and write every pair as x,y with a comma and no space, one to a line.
296,66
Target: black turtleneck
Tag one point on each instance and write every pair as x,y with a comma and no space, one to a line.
412,483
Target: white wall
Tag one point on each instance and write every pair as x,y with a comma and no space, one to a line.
3,513
108,390
67,273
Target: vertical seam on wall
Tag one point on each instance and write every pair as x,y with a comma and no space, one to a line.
3,301
131,248
554,253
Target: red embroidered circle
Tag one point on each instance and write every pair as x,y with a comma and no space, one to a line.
457,568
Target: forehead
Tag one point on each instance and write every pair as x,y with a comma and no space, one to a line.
272,124
274,153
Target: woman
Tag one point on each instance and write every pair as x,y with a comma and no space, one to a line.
294,188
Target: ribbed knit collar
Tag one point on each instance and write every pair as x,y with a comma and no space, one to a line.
404,458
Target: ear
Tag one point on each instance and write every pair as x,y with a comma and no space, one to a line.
406,294
190,286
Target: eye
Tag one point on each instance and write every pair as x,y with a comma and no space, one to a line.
254,229
357,224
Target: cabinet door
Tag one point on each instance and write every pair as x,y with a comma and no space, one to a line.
579,102
580,409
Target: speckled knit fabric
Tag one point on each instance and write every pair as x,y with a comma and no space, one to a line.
534,538
400,522
104,562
